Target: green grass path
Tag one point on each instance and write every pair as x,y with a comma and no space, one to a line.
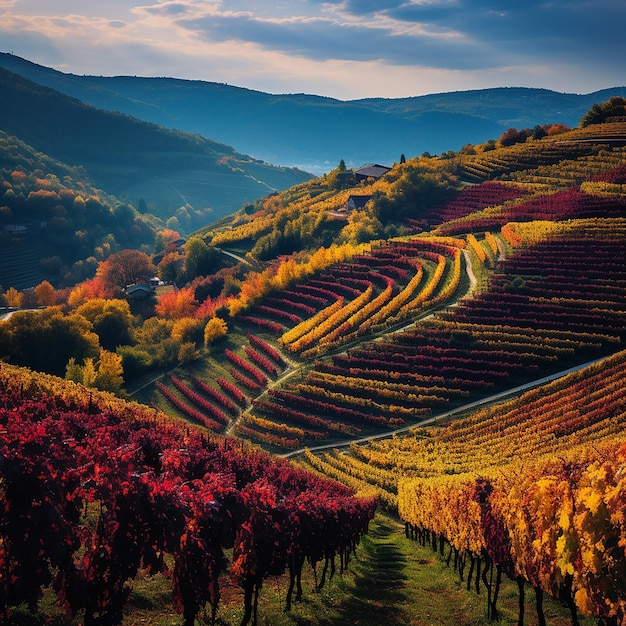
393,581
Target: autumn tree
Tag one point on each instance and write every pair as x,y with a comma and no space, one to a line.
13,298
29,299
176,304
111,320
84,374
556,129
170,266
46,340
187,329
413,192
164,240
106,374
187,352
88,290
273,203
154,337
45,293
362,226
126,267
215,329
110,375
512,136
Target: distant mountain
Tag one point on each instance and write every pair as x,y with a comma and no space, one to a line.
313,132
135,159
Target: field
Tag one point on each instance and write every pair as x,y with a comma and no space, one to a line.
462,376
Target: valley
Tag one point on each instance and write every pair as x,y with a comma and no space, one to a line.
348,400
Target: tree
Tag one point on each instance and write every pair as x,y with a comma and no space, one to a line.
174,305
111,320
615,106
126,267
13,298
45,293
557,129
362,226
142,206
84,374
135,361
170,267
164,239
200,259
215,329
46,340
155,338
187,329
512,136
106,374
187,352
413,192
110,375
124,215
87,290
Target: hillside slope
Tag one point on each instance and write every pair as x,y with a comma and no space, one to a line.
314,132
134,159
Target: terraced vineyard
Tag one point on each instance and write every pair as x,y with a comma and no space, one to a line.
520,277
532,487
453,353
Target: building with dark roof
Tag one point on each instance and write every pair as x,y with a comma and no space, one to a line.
357,202
371,170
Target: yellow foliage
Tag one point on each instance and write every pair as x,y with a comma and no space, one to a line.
186,329
13,297
215,329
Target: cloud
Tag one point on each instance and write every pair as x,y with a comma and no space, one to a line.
341,48
443,34
328,37
167,8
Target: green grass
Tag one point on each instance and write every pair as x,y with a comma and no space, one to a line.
390,580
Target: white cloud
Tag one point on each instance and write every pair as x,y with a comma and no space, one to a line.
342,48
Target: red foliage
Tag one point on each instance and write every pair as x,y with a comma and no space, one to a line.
158,490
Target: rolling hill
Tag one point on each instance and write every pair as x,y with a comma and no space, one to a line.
454,348
313,132
133,159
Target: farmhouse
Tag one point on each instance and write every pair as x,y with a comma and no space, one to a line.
357,202
141,291
371,170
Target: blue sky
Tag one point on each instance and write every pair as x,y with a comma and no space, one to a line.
340,48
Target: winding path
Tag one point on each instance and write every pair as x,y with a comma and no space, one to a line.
295,368
470,406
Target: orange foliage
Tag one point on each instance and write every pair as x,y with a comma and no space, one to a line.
557,129
13,298
126,267
88,290
18,176
174,305
165,238
208,308
45,293
273,203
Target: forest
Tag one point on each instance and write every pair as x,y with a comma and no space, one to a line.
449,358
